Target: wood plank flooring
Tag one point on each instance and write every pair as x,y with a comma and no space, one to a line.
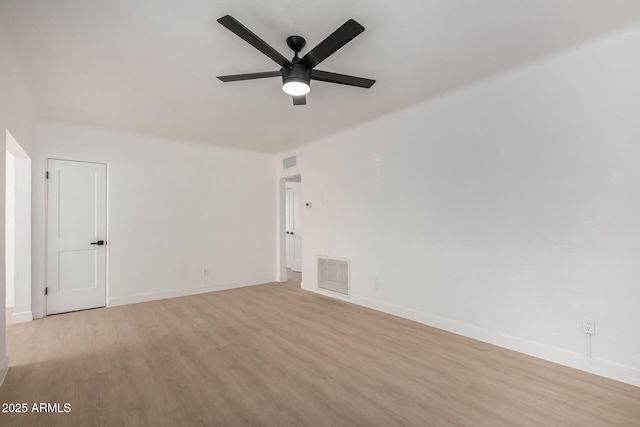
8,315
274,355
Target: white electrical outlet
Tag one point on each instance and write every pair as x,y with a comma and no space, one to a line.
588,326
377,284
205,272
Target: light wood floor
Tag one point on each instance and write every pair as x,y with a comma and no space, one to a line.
8,315
275,355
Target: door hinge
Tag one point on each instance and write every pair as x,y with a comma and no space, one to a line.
46,291
46,175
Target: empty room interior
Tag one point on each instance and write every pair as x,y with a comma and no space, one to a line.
337,213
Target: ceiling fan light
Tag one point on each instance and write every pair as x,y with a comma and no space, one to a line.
296,87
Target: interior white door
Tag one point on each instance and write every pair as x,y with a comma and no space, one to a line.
76,235
288,215
296,230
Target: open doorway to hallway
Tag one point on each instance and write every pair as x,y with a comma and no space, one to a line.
291,228
17,232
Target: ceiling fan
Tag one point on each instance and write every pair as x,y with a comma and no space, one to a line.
297,73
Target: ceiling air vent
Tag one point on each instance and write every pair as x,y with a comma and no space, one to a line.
289,162
333,275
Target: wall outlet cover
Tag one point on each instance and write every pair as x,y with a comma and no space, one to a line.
588,326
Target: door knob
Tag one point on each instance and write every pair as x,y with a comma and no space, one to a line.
99,243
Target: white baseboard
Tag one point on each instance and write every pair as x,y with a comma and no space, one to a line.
23,316
603,368
173,293
615,371
4,368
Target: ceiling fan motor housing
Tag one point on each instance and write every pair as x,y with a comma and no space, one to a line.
296,73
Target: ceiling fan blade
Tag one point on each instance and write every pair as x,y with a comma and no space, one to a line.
300,100
343,79
343,35
250,76
247,35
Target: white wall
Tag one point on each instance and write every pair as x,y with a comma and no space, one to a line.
175,208
10,243
16,115
506,211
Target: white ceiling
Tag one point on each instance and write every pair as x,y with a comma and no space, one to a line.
149,66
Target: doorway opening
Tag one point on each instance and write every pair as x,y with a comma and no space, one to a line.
17,232
291,234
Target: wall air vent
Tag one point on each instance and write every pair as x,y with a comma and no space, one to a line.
289,162
333,275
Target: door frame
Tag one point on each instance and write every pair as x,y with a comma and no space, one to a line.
282,224
46,228
294,240
22,310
